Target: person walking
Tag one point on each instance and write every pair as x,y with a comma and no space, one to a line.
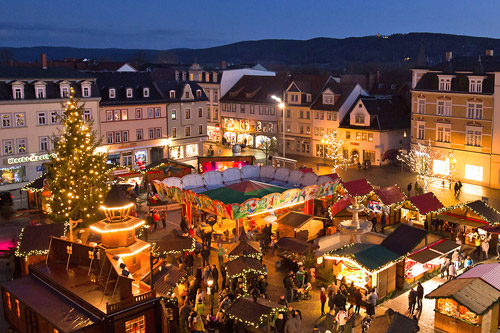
455,258
189,262
408,187
184,312
412,300
374,223
322,298
289,286
358,300
215,277
372,302
444,268
339,300
452,272
420,295
223,273
299,277
485,246
382,221
205,255
456,189
163,218
220,252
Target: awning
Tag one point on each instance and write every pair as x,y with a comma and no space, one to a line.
495,229
425,256
460,220
446,246
358,188
425,203
390,195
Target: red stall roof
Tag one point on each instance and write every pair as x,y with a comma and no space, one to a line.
390,195
426,203
340,205
357,188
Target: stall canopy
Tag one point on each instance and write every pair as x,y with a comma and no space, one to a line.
489,273
446,246
243,265
36,185
296,219
35,240
168,165
248,311
390,195
424,256
425,203
295,245
475,294
404,239
462,220
340,205
357,188
166,280
488,213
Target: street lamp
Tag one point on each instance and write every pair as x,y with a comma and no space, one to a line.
281,105
323,142
166,142
210,292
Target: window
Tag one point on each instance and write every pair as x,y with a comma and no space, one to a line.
445,83
242,108
473,137
301,129
112,93
294,98
64,91
421,131
224,107
129,93
329,116
364,137
328,99
116,115
474,172
200,112
19,119
42,118
138,113
7,147
44,143
187,131
6,120
273,111
421,106
87,115
358,136
118,137
216,96
198,93
109,138
145,92
443,134
444,108
109,115
252,109
172,93
359,118
158,132
151,113
266,110
174,132
174,115
321,131
127,159
308,114
18,93
308,98
370,137
208,114
187,112
151,132
474,110
308,130
18,309
321,115
348,135
200,129
9,304
475,85
139,135
261,109
288,130
124,114
86,91
334,116
125,136
288,113
136,325
54,117
316,131
40,92
186,95
216,113
301,114
157,112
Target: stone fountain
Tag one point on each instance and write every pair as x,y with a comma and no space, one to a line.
355,227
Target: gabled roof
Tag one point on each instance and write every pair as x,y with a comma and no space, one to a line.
35,239
255,89
459,83
311,84
358,187
116,198
403,239
242,265
340,90
468,63
176,245
294,219
243,248
425,203
340,205
488,213
371,257
245,309
390,195
31,73
489,273
388,113
166,86
298,246
475,294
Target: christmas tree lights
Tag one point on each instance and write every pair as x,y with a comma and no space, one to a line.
79,184
334,151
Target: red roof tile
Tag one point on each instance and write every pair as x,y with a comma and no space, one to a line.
358,188
390,195
426,203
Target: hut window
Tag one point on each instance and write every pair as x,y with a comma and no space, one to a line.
130,234
7,294
18,309
134,260
136,325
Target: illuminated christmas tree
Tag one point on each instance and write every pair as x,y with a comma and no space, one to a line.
79,178
334,152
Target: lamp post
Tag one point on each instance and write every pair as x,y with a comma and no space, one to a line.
281,105
210,292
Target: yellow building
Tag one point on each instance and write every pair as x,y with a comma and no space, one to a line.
453,107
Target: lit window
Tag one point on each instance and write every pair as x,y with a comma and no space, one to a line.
124,115
112,93
116,116
174,132
187,131
348,135
321,115
474,172
358,136
6,120
473,137
21,146
172,93
137,325
200,129
7,294
54,117
174,114
19,119
186,95
198,93
109,115
7,147
370,137
187,112
138,113
443,134
18,309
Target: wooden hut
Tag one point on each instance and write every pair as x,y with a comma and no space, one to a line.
244,248
386,200
419,209
255,314
299,225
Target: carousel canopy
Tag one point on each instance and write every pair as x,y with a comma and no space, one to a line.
489,273
426,203
390,195
245,309
404,239
475,294
116,198
242,265
34,239
241,192
358,188
488,213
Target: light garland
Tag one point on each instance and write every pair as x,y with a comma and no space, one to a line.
28,187
350,259
17,252
192,248
261,319
465,206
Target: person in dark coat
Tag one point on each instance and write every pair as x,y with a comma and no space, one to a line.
199,273
184,226
339,300
383,221
412,300
205,254
409,188
374,223
358,299
215,277
189,262
223,273
329,321
280,323
420,295
289,286
184,312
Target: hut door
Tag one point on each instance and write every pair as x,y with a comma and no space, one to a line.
400,274
31,321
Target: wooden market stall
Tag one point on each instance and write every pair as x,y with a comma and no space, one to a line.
467,305
293,251
164,168
255,315
245,268
244,248
420,209
300,225
387,200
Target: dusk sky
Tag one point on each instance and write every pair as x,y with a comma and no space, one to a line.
163,24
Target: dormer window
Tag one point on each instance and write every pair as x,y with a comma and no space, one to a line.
207,77
198,93
64,89
172,93
186,94
40,92
177,76
475,84
145,92
18,93
308,98
112,93
129,93
191,77
328,99
183,76
359,118
444,83
85,88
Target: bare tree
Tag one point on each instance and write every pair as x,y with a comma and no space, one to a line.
268,147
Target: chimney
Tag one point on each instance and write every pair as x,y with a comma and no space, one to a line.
223,64
43,60
449,55
489,53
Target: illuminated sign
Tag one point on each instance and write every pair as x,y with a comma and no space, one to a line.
32,158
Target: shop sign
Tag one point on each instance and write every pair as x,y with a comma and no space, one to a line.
32,158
